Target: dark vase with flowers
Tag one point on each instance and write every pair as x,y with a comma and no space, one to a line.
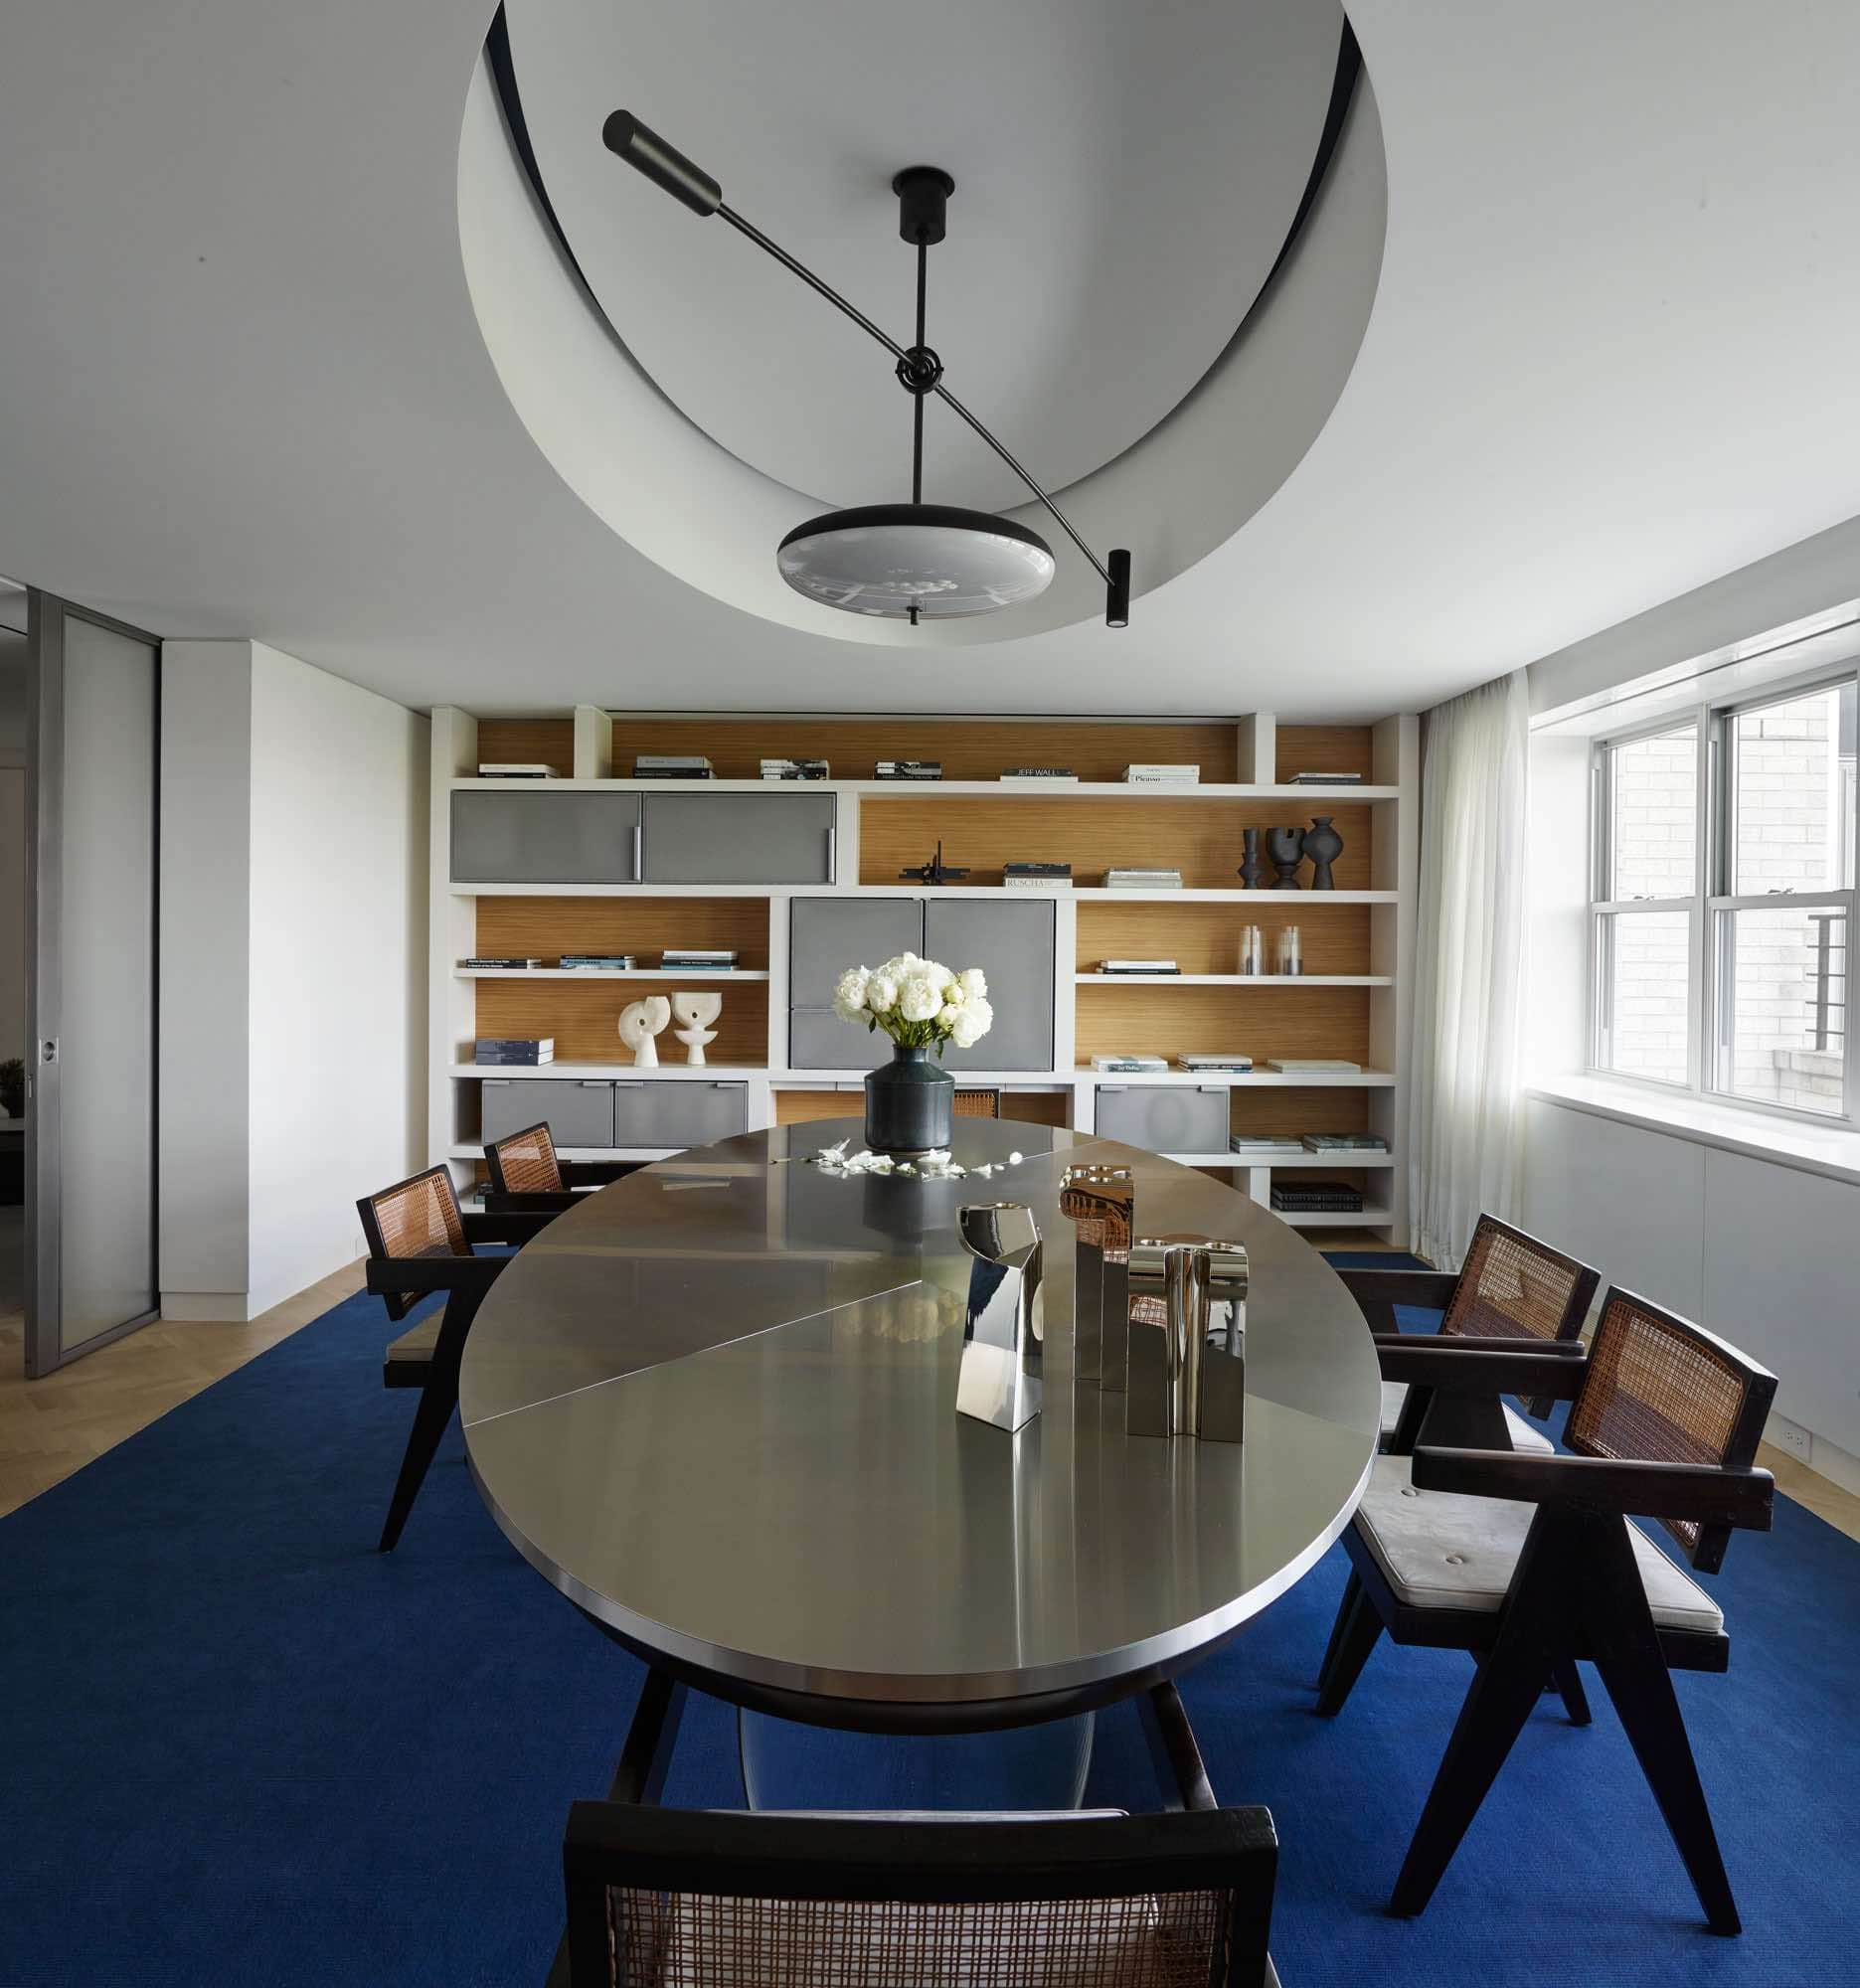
910,1102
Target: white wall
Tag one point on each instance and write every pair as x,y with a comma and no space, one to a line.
293,956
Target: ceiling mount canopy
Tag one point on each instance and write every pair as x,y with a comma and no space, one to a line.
909,561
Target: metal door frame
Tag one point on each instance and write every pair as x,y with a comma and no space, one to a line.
46,615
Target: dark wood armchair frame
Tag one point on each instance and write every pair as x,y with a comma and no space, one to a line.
399,1282
501,1199
1576,1594
628,1840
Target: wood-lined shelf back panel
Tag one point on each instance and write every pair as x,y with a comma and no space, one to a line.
1143,1019
1291,1112
547,927
528,741
1323,748
583,1018
1205,938
974,749
1201,839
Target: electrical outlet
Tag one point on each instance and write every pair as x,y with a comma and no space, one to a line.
1788,1435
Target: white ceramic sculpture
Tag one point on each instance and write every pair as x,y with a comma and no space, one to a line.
641,1021
697,1011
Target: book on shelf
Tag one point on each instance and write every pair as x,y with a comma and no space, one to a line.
517,1052
1213,1059
1036,776
796,769
1265,1145
672,960
1315,1066
1037,875
1138,966
672,767
1037,869
908,770
1326,780
1157,775
598,962
514,770
1345,1142
1142,880
1037,883
501,963
1127,1064
1316,1198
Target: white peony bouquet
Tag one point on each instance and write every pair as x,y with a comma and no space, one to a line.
917,1002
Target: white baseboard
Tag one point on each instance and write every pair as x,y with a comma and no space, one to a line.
208,1307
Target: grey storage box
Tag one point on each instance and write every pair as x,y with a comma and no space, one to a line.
778,838
677,1113
578,1113
1164,1117
532,836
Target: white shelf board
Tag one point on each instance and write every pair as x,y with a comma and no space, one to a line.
602,974
1212,790
906,886
1044,1081
1237,979
1367,1080
1333,1218
677,1072
463,1152
1331,1160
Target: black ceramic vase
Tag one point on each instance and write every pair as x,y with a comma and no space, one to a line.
1250,861
1285,845
910,1104
1323,845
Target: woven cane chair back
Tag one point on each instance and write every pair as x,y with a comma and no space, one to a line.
1513,1286
1660,1390
414,1218
978,1104
524,1163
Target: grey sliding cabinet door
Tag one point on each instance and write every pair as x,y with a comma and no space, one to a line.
1012,944
91,1272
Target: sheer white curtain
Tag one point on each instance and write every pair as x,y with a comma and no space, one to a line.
1466,1124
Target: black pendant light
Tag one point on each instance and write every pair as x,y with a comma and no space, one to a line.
907,562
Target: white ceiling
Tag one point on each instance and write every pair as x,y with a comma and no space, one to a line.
1124,179
243,392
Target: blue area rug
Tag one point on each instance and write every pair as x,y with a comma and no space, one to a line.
245,1747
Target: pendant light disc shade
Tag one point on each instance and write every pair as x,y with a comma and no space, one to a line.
886,559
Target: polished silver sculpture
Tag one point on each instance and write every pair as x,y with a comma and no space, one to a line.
1098,1201
999,1380
1188,1338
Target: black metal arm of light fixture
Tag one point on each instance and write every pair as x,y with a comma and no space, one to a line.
668,168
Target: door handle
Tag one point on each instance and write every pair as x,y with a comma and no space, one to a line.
833,855
639,863
497,1083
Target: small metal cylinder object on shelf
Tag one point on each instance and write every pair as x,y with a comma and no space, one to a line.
1290,951
1098,1202
1252,949
1188,1352
999,1379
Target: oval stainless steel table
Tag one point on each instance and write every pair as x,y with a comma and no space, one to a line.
715,1405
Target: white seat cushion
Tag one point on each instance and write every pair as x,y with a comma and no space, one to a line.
1444,1549
1525,1436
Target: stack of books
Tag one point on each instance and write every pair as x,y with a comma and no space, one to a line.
1313,1065
908,770
1037,875
1039,776
1215,1064
795,769
514,770
517,1051
1156,774
598,962
499,962
698,959
1345,1142
1316,1198
1142,880
1326,779
1126,1064
1265,1145
1137,966
671,766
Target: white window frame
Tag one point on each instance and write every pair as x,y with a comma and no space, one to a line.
1710,959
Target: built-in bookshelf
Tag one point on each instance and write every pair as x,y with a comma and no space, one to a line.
1350,1001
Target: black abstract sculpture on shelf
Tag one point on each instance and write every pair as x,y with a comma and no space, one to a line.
1286,848
1250,866
936,871
1323,845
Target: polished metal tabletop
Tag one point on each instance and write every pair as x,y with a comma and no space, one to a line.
715,1404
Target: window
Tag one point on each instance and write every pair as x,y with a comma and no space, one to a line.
1724,869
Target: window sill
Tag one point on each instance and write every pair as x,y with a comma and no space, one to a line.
1832,1151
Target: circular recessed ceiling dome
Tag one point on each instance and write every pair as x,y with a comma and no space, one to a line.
1162,252
887,559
